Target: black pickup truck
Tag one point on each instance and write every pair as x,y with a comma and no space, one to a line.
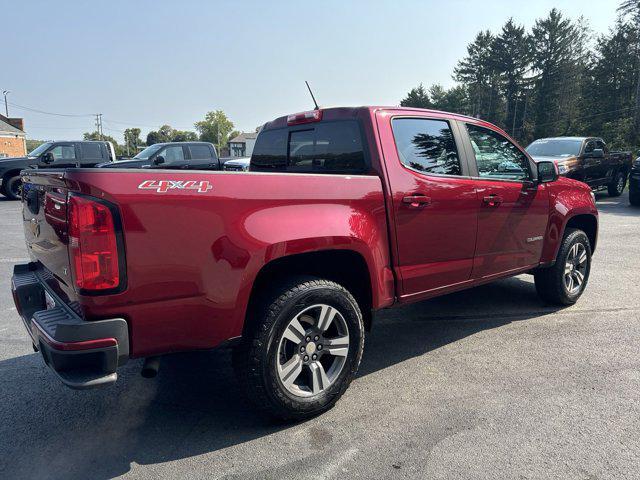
587,159
63,154
174,155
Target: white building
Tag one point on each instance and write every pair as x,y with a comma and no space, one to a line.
242,145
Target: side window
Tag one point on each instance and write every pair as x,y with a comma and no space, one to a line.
63,152
200,152
590,147
172,153
496,156
90,151
600,144
426,146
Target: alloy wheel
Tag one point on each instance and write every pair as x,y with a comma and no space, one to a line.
313,350
575,268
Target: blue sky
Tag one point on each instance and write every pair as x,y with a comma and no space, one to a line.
146,63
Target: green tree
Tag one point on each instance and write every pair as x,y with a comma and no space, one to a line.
511,58
454,99
417,98
477,73
163,135
32,144
630,9
184,136
559,64
132,140
215,128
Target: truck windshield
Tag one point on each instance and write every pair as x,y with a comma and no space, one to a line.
148,152
36,152
555,148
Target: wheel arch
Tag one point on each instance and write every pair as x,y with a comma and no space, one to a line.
588,224
345,267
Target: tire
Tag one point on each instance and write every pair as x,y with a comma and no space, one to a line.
634,198
551,283
263,362
11,188
616,187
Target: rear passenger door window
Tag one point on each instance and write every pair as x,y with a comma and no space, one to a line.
200,152
496,156
90,153
426,146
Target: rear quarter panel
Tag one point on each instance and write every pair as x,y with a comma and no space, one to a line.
192,256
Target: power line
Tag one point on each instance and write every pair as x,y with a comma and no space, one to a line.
35,110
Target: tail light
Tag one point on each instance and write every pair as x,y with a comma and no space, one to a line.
304,117
93,246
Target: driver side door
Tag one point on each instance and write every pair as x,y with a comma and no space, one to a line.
65,155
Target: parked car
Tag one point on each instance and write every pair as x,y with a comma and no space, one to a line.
634,183
363,209
63,154
179,155
237,164
586,159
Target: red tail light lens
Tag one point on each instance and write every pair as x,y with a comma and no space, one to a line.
93,247
304,117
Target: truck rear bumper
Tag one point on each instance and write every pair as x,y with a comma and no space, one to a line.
83,354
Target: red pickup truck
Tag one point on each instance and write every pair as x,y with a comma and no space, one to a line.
345,211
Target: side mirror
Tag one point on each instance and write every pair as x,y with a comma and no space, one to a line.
158,160
597,153
547,172
48,158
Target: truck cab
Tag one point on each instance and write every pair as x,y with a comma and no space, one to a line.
60,154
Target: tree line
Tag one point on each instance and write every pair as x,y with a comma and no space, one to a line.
553,79
215,128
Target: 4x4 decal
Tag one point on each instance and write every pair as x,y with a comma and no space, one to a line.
163,186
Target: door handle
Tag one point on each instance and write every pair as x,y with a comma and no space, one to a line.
416,201
492,200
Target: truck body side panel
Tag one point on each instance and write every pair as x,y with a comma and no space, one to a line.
193,254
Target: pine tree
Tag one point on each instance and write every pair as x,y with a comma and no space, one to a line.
511,61
476,72
417,98
559,61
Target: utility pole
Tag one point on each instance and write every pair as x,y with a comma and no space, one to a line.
6,105
99,125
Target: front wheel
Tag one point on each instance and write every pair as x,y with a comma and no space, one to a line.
616,187
304,348
12,187
564,283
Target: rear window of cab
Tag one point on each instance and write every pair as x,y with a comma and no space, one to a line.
324,147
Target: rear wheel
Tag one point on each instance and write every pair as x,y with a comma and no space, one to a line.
564,283
12,187
616,187
304,349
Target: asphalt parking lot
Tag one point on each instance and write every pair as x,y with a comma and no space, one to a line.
488,383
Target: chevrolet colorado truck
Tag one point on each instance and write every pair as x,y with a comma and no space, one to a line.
61,154
587,159
344,212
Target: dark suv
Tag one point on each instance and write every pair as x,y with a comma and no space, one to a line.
180,155
62,154
634,184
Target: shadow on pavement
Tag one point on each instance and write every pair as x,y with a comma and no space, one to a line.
194,406
616,205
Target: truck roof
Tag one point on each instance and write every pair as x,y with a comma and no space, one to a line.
582,139
350,112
